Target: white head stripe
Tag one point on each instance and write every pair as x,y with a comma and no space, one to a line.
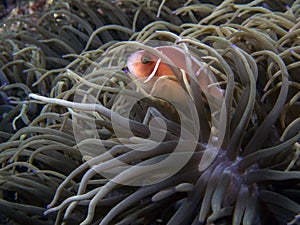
152,74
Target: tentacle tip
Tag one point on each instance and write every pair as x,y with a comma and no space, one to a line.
233,46
8,100
47,208
126,71
62,115
281,139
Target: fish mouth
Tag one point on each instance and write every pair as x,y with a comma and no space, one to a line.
131,61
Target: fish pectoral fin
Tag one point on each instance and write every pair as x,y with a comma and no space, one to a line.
168,89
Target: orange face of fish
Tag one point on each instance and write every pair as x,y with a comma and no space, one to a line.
142,64
147,66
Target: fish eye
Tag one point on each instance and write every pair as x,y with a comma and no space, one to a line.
146,59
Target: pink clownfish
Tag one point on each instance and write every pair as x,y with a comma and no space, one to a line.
148,67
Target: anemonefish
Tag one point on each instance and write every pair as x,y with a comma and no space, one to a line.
148,67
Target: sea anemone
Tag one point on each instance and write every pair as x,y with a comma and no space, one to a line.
83,142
